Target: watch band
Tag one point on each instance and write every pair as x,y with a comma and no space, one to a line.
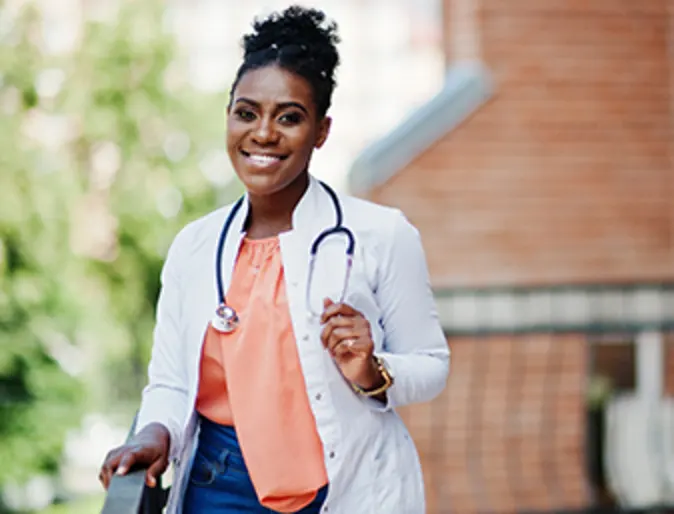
388,381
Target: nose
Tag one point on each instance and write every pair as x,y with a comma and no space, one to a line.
265,132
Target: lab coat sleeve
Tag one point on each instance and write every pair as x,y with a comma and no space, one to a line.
415,349
164,399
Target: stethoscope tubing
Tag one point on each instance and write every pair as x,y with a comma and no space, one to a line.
337,228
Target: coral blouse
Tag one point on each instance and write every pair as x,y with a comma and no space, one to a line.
251,379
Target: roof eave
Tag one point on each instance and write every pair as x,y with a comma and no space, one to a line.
467,86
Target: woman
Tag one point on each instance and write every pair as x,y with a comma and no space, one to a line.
284,401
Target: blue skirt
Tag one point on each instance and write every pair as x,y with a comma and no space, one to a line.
219,481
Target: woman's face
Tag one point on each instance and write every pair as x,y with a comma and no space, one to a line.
272,129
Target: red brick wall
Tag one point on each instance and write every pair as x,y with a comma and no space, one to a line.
671,95
566,175
508,431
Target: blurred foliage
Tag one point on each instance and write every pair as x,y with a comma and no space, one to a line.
38,312
82,506
101,160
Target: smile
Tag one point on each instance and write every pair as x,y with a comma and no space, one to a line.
263,160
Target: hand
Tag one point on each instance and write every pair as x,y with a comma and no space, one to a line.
346,335
149,448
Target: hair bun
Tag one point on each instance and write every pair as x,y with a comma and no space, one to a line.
300,31
299,40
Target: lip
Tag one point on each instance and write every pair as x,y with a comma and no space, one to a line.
264,155
262,160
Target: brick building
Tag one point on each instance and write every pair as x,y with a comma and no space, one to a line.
541,179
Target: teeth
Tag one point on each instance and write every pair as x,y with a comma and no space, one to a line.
263,160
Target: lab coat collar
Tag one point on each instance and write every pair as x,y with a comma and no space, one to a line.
305,211
308,218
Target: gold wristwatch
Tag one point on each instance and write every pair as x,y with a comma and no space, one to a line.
386,375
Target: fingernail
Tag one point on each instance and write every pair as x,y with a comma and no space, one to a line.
120,470
152,482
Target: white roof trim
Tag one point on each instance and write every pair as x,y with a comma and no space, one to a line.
467,86
571,308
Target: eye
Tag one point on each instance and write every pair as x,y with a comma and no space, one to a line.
291,118
244,114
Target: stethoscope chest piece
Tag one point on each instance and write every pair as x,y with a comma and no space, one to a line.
226,319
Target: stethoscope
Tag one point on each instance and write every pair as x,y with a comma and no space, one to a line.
226,319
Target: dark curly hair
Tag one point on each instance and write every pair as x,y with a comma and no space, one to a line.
298,40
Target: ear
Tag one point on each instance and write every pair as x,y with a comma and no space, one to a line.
323,131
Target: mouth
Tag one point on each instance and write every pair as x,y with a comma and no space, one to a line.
263,160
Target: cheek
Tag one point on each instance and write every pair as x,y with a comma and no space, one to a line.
304,142
233,136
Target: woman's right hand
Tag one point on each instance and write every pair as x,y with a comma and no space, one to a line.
147,449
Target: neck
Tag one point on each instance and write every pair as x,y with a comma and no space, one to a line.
272,214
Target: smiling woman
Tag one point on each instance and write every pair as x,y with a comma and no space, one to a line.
278,404
272,129
278,105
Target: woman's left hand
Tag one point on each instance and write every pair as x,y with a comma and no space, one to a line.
346,335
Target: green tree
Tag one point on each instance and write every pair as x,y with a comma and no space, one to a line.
40,394
101,163
142,140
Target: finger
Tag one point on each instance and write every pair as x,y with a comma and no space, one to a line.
126,463
355,327
333,324
106,475
339,321
338,309
356,342
155,470
345,347
336,323
108,468
328,308
347,337
104,478
325,334
359,346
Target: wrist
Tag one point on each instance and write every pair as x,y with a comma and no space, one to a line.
372,378
153,434
377,385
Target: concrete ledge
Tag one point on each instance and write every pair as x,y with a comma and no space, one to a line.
573,308
467,86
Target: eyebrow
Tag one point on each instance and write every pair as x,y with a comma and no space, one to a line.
281,106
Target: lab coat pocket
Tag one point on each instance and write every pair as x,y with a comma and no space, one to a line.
398,487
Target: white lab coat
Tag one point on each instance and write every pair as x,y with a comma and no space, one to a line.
371,461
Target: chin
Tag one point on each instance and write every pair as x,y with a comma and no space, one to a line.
263,185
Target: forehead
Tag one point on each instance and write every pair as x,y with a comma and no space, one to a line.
273,85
